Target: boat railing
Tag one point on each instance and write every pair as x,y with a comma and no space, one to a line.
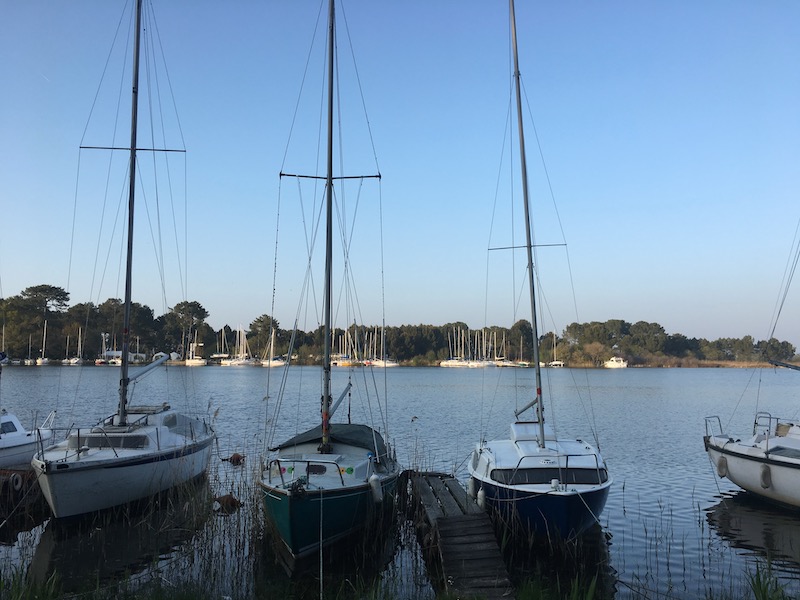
713,426
564,470
96,429
309,470
765,424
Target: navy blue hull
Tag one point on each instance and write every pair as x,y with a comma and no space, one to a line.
545,514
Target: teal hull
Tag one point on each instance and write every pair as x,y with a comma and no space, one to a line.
311,520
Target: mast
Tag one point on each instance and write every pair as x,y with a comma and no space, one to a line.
528,238
325,446
126,334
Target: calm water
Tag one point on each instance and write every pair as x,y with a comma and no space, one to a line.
674,529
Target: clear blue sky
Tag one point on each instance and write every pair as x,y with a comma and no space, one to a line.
671,132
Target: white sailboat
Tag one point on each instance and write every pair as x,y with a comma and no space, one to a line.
42,359
272,360
241,356
192,359
29,361
138,451
458,345
332,480
77,360
534,479
765,462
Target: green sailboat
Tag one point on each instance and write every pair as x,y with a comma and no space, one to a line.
334,479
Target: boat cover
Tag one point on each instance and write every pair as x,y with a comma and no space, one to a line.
344,433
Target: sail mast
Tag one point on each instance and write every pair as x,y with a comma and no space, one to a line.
123,383
528,237
326,362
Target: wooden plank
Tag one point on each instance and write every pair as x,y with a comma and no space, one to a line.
428,500
468,505
469,555
451,540
479,518
479,558
467,526
449,545
445,497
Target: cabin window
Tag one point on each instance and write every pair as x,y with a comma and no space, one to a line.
784,451
542,476
106,441
316,469
8,427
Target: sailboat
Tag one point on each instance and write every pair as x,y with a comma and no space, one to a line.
192,360
29,361
241,357
533,480
334,479
272,360
138,451
43,360
77,360
765,462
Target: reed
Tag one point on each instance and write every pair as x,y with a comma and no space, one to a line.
189,547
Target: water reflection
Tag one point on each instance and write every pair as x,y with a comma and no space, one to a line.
762,530
18,518
104,547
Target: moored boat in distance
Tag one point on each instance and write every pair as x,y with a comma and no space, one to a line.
616,362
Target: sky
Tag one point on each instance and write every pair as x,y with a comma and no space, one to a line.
670,132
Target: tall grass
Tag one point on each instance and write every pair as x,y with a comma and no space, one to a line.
182,545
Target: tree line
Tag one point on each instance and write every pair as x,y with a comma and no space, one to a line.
580,344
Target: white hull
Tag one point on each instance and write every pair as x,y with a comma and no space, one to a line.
196,362
616,363
17,445
454,363
19,456
384,364
766,464
239,362
83,474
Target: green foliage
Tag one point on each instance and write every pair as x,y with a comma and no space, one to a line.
580,344
765,585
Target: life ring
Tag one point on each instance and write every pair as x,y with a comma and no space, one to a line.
16,481
722,466
766,476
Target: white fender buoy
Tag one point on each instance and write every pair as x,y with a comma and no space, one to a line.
481,499
16,481
375,486
471,488
722,466
766,476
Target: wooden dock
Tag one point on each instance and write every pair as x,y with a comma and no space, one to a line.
459,538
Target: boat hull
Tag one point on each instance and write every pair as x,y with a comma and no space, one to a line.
565,514
18,456
18,445
753,469
315,519
84,486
